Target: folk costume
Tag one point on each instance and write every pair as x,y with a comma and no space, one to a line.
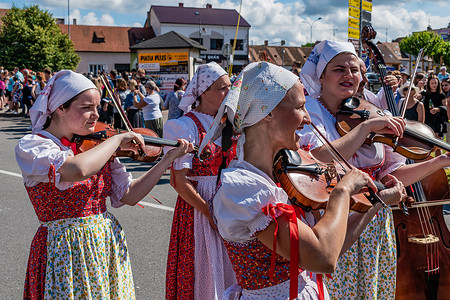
198,266
79,251
248,201
368,269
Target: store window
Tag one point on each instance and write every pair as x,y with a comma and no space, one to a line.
216,44
239,44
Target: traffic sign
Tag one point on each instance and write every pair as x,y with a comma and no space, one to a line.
367,6
353,33
354,3
355,43
353,23
354,12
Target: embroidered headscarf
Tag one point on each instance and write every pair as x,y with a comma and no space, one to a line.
321,55
254,94
62,87
203,78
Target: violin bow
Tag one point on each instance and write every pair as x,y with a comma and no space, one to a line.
115,101
419,57
335,153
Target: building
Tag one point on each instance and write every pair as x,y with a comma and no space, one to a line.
212,28
168,57
286,56
105,47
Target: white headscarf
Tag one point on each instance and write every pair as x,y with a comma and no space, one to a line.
254,94
62,87
318,60
203,78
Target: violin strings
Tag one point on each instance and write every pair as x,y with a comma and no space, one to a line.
327,146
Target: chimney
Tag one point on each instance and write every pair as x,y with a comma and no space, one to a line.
74,22
208,5
266,43
180,4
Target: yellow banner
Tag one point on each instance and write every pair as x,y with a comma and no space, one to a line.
354,12
355,3
353,33
163,57
353,23
367,6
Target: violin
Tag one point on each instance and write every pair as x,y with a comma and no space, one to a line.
152,149
309,182
423,239
418,139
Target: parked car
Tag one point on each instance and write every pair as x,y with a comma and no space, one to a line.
374,83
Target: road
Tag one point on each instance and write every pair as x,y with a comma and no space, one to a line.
147,228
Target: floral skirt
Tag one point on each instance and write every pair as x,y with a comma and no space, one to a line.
368,269
85,258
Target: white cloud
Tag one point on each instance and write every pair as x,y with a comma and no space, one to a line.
91,18
273,20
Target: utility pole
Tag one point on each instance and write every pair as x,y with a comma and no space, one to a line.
68,17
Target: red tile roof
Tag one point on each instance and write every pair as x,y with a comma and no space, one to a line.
116,39
207,16
299,55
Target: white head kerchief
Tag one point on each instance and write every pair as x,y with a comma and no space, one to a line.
62,87
254,94
203,78
321,55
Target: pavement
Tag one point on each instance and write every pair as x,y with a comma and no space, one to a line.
147,228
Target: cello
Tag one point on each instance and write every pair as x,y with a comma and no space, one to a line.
423,239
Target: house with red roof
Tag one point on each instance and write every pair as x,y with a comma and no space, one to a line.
213,28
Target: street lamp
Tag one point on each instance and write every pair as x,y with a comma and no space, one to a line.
199,32
311,27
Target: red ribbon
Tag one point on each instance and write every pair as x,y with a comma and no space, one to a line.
290,213
65,141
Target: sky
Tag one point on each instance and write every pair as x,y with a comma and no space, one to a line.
272,20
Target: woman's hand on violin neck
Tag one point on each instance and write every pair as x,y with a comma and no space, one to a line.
354,181
128,139
392,81
185,147
386,124
395,193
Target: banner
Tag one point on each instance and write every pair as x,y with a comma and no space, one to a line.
164,59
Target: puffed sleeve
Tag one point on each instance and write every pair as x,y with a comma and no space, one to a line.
392,161
181,128
121,181
239,202
35,155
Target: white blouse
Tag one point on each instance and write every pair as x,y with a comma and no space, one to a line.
238,203
35,155
367,156
185,128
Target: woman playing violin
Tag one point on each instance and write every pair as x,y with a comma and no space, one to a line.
331,75
79,251
268,240
198,266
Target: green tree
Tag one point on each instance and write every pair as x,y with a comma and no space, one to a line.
444,53
429,41
30,38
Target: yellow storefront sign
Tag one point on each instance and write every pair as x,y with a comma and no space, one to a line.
367,6
163,58
353,33
354,12
353,23
354,3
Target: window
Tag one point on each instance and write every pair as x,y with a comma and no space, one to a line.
239,44
98,37
200,41
216,44
96,68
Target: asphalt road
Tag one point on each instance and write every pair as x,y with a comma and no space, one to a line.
147,229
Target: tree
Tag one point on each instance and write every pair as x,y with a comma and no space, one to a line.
429,41
31,39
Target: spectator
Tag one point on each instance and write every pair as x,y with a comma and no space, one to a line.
141,74
39,86
443,73
16,95
122,92
150,107
414,108
2,90
173,99
132,111
47,74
